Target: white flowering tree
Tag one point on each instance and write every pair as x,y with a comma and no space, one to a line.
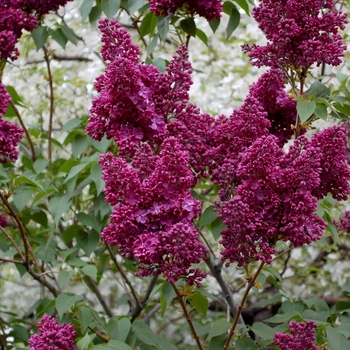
158,190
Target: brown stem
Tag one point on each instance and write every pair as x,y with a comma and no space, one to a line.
49,134
99,296
241,305
125,278
216,273
187,316
31,145
15,261
13,243
3,341
137,310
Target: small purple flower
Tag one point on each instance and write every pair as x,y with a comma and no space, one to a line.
53,336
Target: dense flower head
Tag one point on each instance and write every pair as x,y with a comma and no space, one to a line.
171,253
209,9
12,21
273,201
3,221
280,108
53,336
42,7
137,103
302,337
344,222
10,133
300,33
231,137
332,143
150,197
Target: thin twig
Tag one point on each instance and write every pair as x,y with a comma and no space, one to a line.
187,316
241,305
125,278
137,310
14,261
99,296
3,342
226,291
31,145
13,243
52,100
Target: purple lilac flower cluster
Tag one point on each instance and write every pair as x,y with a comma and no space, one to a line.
300,33
148,183
209,9
10,133
53,336
302,337
18,15
267,194
344,222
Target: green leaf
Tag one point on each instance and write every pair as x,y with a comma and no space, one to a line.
58,206
39,165
87,241
163,343
151,46
22,198
77,169
346,288
219,327
85,317
202,36
95,14
16,99
305,109
282,318
263,331
318,89
116,344
244,5
39,35
144,333
134,5
85,9
217,342
160,63
208,216
188,25
110,7
64,302
321,111
245,344
71,124
148,24
214,24
69,34
233,22
217,226
85,341
63,278
91,271
163,27
336,341
59,37
119,328
200,303
79,145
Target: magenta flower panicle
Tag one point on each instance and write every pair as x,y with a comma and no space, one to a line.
53,336
10,133
300,33
302,337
